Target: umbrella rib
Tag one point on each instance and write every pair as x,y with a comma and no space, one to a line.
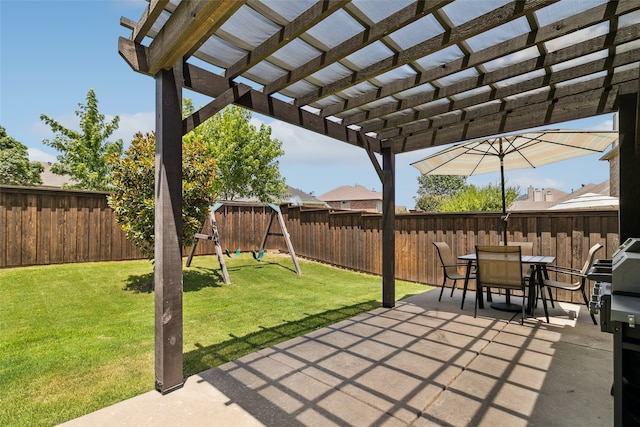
504,146
519,152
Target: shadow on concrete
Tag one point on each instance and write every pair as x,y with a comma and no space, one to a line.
421,363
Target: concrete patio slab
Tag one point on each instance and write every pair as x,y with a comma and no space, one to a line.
422,363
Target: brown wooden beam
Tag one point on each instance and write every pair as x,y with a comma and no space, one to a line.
362,139
186,30
367,36
294,29
586,96
149,17
584,104
390,128
388,228
228,97
476,26
213,85
546,33
135,54
629,157
167,277
575,51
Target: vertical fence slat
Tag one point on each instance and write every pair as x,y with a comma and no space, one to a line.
3,228
44,229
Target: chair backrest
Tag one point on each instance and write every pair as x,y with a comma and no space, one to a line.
446,258
499,267
525,247
591,258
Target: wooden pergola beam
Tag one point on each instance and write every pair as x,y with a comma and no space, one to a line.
364,142
476,26
149,17
393,127
521,68
571,24
500,121
294,29
228,97
403,17
186,30
210,84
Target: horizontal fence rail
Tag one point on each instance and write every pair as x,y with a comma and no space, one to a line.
45,226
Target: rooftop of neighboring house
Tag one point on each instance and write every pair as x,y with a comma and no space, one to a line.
544,198
50,179
350,192
296,196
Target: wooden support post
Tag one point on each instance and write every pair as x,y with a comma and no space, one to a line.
629,156
196,239
216,242
275,212
168,233
287,240
388,228
266,232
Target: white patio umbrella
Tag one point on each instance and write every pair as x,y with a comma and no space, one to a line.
510,152
588,201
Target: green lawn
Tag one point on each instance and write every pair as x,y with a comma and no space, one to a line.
78,337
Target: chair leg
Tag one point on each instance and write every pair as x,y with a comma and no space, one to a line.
453,287
444,282
523,304
586,302
464,294
475,307
544,302
551,297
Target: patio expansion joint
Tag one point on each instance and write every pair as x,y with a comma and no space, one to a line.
476,353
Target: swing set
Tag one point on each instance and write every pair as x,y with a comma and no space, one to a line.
275,213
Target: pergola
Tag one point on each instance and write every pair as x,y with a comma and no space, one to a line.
388,76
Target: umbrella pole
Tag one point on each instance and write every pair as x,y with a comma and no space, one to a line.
506,306
504,217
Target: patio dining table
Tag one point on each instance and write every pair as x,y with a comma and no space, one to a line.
535,275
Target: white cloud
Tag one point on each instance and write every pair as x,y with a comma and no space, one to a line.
131,123
43,130
302,146
128,125
36,155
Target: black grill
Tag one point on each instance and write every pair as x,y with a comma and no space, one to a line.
616,297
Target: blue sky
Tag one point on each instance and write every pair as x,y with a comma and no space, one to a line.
53,52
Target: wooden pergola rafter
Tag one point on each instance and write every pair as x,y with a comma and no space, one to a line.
389,77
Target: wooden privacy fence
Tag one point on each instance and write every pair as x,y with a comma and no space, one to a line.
43,226
53,226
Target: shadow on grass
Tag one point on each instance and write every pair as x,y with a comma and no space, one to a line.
260,264
193,280
206,357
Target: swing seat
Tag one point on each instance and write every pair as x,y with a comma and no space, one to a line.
259,256
235,255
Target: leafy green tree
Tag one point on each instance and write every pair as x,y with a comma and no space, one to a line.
474,199
15,167
246,157
85,152
434,190
133,192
